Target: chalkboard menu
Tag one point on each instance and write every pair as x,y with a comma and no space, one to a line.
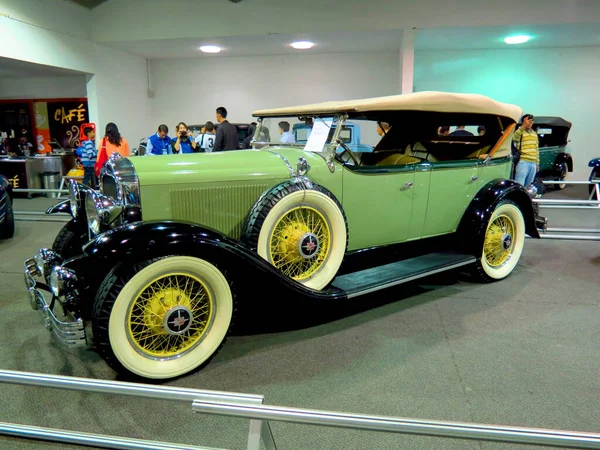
65,118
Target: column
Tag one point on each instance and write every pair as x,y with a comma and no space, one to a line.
407,61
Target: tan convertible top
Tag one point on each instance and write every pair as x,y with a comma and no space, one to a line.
431,101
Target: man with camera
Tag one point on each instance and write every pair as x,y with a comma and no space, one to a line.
183,143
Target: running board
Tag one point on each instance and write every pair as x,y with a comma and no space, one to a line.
382,277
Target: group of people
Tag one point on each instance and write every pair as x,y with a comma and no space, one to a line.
93,156
211,138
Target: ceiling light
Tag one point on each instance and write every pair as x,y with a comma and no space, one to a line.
302,45
521,39
210,49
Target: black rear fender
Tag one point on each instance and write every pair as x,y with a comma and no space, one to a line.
475,220
562,160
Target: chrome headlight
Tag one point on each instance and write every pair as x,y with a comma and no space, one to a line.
74,197
119,180
60,279
102,211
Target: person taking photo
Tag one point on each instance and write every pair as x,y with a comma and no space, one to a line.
183,143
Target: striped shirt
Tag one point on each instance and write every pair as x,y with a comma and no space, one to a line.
528,145
87,152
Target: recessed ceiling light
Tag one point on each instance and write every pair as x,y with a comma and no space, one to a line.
521,39
302,45
210,49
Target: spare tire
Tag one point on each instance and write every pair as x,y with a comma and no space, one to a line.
300,230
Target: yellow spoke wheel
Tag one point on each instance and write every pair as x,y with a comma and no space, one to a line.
170,315
499,241
300,242
503,243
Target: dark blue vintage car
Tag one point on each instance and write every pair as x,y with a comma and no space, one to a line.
7,218
594,176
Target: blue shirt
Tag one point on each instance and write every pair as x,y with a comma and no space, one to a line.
88,153
184,146
287,137
157,146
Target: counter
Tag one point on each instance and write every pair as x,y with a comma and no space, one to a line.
26,172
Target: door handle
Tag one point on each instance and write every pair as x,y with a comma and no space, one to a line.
408,184
474,178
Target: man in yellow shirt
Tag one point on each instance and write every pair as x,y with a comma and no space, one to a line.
527,144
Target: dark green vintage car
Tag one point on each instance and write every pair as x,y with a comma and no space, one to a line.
555,160
162,259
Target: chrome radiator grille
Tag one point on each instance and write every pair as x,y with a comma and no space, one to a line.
223,208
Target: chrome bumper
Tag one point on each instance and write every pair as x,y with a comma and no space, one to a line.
70,333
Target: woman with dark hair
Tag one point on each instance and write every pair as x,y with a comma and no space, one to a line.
183,143
114,142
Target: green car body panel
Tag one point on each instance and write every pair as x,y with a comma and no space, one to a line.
383,205
548,156
218,189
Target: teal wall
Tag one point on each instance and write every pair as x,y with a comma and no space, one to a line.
562,81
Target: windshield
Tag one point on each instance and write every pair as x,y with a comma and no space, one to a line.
296,131
317,133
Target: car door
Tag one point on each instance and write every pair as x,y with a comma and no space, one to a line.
378,202
453,184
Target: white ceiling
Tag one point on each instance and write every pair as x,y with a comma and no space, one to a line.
567,35
152,20
13,68
267,44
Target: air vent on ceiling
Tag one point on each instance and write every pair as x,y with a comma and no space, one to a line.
90,4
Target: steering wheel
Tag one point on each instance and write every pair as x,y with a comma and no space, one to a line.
348,151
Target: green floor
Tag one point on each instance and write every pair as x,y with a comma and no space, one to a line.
523,351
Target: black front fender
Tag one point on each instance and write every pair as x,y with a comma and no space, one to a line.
141,241
475,220
62,207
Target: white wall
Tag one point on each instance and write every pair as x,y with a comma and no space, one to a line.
546,82
190,90
118,92
43,87
57,33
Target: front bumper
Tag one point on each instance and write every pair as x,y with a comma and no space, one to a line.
71,332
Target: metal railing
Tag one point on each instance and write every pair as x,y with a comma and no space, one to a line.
571,233
42,191
557,203
251,407
258,429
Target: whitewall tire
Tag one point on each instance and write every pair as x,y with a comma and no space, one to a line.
167,319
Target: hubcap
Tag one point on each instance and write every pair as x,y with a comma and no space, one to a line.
308,246
506,241
178,320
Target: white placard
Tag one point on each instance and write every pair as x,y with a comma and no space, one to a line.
318,135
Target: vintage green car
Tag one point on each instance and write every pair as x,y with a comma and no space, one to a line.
173,247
